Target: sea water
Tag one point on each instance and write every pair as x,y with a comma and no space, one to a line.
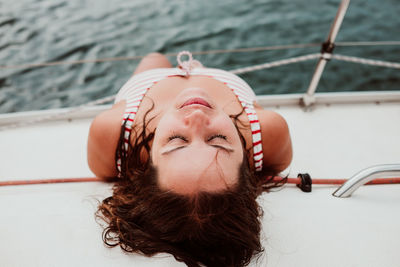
33,31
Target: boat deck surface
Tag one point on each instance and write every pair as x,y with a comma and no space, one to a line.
54,224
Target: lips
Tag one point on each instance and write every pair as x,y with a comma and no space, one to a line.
196,101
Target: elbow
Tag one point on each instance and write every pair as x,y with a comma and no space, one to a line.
286,149
279,151
287,156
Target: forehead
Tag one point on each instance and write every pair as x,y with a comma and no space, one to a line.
189,171
187,179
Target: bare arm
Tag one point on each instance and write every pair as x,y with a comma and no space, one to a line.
106,127
153,61
276,141
102,142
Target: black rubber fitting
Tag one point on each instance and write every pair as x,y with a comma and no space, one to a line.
327,48
305,182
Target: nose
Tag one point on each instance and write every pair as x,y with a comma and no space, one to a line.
197,118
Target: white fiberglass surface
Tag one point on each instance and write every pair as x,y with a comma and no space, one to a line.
48,225
333,141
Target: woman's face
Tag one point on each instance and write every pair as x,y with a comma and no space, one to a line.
196,146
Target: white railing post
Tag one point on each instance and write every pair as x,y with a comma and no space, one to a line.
326,52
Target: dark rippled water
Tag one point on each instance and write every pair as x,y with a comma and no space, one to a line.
33,31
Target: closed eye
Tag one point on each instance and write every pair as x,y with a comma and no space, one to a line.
177,136
216,136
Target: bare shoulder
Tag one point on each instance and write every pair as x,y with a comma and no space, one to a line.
276,141
103,139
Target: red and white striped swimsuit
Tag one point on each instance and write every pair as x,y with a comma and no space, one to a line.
137,86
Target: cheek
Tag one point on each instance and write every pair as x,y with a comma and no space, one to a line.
226,123
164,122
162,129
156,145
230,131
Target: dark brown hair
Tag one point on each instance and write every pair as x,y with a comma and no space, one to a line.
211,229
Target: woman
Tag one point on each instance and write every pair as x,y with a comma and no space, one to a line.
193,153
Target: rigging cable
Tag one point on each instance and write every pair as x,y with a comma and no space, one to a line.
268,65
207,52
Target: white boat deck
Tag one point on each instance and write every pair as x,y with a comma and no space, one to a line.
54,225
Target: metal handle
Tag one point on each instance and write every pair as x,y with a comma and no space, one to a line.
364,177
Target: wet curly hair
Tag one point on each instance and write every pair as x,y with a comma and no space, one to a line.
204,229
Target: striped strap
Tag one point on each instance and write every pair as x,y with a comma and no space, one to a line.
135,89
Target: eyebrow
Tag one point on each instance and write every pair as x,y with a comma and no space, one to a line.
229,150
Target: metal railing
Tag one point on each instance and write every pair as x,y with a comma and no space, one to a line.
365,176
